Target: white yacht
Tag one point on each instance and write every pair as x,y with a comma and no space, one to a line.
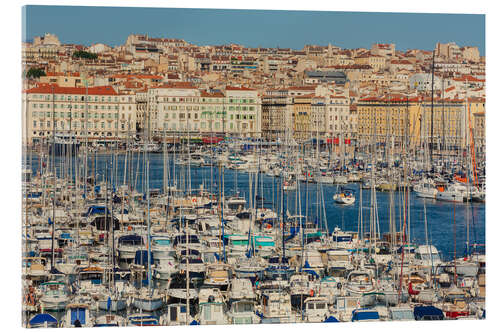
55,295
277,307
426,189
316,309
241,289
243,312
454,193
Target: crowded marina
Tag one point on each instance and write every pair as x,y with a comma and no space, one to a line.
244,231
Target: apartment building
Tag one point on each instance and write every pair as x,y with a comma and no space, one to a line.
395,117
374,61
301,117
338,119
95,113
276,113
181,107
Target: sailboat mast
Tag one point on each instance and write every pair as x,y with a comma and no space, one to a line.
432,109
54,179
146,157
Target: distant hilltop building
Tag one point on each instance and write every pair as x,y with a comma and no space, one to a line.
384,50
146,40
47,39
99,48
43,48
471,53
448,51
452,51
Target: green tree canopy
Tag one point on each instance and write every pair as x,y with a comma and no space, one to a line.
84,55
34,73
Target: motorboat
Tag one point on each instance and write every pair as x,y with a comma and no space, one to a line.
359,283
212,312
218,276
454,193
276,307
339,262
243,312
428,257
55,295
299,289
240,289
127,247
176,314
426,188
316,309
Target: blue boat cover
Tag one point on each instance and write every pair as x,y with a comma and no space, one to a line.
96,210
344,238
78,313
358,315
131,238
190,252
54,270
427,313
331,319
42,318
293,232
141,257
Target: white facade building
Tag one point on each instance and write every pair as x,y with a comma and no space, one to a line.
184,108
66,111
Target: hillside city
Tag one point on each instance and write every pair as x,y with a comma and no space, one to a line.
174,87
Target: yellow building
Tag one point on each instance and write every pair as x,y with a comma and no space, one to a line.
479,133
301,117
396,117
375,61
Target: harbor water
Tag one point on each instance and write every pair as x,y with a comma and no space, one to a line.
450,226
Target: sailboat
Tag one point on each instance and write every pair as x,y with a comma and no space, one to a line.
344,196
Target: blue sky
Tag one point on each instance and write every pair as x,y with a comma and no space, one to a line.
253,28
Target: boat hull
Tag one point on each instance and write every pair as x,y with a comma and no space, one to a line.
115,306
147,303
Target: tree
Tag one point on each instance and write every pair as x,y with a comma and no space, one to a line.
35,73
84,55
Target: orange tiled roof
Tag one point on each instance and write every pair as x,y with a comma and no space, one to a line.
239,88
52,88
